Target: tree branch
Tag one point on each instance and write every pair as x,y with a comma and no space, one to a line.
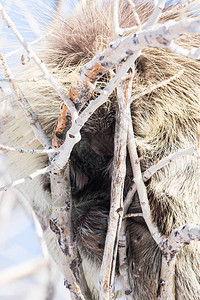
40,64
32,151
141,189
155,16
25,179
30,115
170,247
146,175
60,223
107,272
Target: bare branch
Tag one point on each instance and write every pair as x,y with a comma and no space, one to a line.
141,189
35,79
107,272
155,36
198,160
122,31
163,162
40,64
28,143
31,43
146,175
123,263
157,86
115,18
136,16
132,215
155,16
60,223
30,115
179,8
170,247
73,135
192,53
32,151
25,179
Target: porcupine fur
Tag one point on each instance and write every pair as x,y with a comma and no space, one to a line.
164,121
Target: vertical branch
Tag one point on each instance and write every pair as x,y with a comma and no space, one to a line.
107,272
153,19
136,16
141,189
60,223
115,18
167,276
123,261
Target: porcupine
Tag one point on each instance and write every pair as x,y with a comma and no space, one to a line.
163,120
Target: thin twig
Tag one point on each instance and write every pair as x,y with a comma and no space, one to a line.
132,215
35,79
40,64
25,179
32,151
20,271
146,175
136,16
157,86
31,43
141,189
27,143
198,161
192,53
163,162
115,18
30,115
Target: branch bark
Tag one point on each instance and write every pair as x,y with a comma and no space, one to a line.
60,223
107,273
170,247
